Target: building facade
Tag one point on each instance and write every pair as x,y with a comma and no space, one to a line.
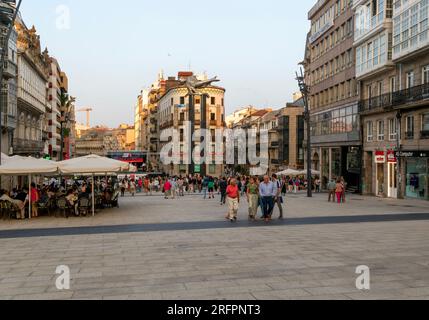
395,108
102,140
174,112
330,72
8,94
53,114
32,94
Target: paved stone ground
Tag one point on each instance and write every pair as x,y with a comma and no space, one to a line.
311,260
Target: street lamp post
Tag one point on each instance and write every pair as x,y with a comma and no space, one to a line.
305,91
2,62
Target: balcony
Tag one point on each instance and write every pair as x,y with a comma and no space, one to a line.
24,146
153,140
10,70
376,103
399,99
424,134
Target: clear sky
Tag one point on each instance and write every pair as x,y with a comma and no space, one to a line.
112,49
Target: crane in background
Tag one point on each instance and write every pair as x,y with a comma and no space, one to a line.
88,115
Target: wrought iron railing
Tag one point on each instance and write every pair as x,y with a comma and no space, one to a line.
396,99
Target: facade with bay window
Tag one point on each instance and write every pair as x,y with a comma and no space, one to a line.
395,109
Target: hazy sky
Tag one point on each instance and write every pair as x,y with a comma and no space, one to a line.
112,49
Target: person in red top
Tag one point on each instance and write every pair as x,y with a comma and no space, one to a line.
34,196
233,197
167,188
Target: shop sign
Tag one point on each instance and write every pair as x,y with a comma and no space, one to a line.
391,157
412,154
380,157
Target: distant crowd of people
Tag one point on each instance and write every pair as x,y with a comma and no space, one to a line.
262,193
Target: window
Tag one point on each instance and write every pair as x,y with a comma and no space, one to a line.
213,117
182,100
213,100
425,122
425,76
393,129
410,79
370,131
392,84
380,130
410,127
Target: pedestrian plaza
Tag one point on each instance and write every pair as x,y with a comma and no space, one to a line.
152,248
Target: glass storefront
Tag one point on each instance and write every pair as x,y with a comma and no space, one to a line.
325,167
417,178
336,163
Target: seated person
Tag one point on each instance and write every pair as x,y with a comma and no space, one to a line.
73,202
18,203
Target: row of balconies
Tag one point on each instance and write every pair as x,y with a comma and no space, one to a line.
28,146
398,99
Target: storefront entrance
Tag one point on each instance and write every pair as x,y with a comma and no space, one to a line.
393,180
417,177
380,180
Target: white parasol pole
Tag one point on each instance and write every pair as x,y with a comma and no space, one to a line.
93,197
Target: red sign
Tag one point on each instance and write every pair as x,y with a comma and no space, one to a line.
380,157
391,157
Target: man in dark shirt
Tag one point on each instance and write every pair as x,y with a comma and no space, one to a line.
223,185
22,195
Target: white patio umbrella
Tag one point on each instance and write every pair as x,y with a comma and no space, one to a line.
93,165
4,158
289,172
21,166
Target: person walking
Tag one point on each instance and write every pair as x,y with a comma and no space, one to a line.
180,185
343,196
210,187
223,185
331,189
233,196
167,189
173,184
278,198
317,184
123,188
296,185
339,191
132,188
267,192
204,185
34,196
253,198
